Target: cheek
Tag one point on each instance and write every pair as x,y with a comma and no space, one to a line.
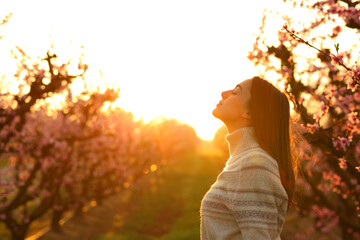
233,109
235,104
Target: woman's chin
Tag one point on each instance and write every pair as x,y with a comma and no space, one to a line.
216,113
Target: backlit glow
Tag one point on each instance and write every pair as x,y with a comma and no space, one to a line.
169,58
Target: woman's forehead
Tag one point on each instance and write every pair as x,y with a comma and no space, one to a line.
245,83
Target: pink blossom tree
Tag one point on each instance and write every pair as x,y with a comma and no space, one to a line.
27,146
323,87
59,157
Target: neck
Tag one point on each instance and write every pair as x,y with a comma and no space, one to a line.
241,139
234,125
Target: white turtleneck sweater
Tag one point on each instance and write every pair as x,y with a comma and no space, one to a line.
247,201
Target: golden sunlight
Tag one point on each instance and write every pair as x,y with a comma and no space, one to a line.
168,58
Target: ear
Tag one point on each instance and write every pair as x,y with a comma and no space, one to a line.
247,115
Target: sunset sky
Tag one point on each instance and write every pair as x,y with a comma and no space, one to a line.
169,58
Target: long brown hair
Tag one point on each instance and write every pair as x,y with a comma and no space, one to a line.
270,113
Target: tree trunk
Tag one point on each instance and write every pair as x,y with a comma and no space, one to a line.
55,221
78,211
19,233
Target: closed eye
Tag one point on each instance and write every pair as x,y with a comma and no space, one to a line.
234,91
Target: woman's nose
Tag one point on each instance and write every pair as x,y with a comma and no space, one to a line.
224,94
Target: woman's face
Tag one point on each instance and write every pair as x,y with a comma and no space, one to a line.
234,105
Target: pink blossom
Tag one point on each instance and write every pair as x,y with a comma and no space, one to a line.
351,106
352,117
334,179
340,143
338,59
355,74
356,97
46,194
333,92
352,121
356,235
82,66
312,127
342,163
324,107
336,31
356,71
352,85
301,100
62,68
342,90
37,201
352,10
24,175
332,223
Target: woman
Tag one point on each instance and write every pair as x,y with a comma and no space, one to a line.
250,197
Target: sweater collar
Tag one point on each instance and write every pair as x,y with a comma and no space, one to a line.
241,139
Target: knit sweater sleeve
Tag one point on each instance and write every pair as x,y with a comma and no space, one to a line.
255,196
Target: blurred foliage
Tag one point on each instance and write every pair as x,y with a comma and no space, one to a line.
220,142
